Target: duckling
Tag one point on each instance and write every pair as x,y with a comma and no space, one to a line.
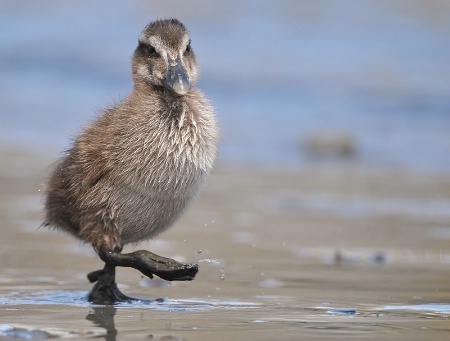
131,173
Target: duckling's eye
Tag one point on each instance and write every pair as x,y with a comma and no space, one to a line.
150,50
188,48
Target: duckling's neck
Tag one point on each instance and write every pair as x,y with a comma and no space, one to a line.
170,106
164,96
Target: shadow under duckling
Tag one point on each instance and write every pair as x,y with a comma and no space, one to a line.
131,173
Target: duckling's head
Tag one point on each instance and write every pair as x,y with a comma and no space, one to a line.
164,57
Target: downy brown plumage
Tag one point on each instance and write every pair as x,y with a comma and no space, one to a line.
132,172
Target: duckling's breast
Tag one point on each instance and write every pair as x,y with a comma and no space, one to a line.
168,162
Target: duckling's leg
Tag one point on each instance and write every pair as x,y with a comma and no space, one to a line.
105,291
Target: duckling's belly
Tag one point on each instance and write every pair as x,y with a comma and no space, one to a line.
145,211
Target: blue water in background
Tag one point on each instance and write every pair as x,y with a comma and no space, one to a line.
276,71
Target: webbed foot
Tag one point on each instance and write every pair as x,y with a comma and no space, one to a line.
105,291
151,264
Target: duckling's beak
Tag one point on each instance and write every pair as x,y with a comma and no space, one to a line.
176,78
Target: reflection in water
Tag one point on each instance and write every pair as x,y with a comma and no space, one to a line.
103,316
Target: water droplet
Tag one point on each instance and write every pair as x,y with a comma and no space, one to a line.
199,251
211,222
207,260
217,262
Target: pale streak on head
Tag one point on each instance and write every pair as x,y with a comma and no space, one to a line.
184,44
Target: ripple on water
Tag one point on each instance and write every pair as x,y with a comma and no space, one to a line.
430,308
342,312
78,299
357,322
20,333
442,309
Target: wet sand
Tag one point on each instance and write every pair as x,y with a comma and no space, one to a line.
332,252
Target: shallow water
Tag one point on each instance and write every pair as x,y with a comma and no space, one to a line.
270,317
272,264
371,301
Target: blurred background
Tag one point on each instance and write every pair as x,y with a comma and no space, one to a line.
295,83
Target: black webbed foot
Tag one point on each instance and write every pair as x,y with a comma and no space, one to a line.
95,275
105,291
151,264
